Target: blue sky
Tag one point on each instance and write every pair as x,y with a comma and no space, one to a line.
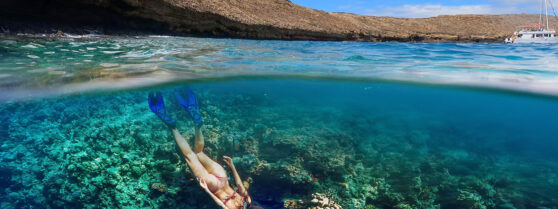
424,8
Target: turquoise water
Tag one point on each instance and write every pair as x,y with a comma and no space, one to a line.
370,125
38,67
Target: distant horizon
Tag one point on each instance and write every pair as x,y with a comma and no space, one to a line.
426,8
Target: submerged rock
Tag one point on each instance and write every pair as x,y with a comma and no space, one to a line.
159,187
317,201
92,151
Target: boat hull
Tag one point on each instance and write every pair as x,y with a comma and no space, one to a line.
535,40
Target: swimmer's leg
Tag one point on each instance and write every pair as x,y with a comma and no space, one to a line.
182,143
199,142
210,165
192,159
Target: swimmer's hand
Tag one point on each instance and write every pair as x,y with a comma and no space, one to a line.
203,184
228,160
241,189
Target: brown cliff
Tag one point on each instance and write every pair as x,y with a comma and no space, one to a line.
255,19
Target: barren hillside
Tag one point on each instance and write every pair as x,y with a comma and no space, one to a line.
257,19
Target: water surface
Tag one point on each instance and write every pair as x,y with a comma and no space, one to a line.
36,66
370,125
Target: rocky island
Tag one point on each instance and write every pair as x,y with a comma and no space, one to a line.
252,19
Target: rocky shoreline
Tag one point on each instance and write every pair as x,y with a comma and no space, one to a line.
264,19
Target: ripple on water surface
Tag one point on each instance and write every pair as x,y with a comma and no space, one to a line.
140,61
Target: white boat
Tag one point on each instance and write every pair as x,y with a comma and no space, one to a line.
538,33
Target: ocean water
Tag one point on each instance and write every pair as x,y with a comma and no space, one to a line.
369,125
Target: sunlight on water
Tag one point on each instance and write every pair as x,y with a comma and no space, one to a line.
31,67
366,125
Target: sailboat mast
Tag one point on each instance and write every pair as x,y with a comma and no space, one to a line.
546,8
540,15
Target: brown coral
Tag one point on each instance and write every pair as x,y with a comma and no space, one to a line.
159,187
318,201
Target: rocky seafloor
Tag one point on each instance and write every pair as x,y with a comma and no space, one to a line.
109,151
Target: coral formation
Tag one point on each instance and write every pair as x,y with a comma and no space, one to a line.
159,187
110,151
318,201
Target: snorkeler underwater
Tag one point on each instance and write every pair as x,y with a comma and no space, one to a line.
198,104
211,175
358,144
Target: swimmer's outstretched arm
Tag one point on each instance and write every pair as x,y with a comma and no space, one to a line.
237,180
203,184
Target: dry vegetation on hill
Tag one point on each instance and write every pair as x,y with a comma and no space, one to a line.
267,19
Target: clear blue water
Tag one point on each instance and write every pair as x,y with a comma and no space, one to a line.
45,66
377,125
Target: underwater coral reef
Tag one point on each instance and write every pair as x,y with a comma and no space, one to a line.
353,145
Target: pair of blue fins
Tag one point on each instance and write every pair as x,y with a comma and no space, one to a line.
190,104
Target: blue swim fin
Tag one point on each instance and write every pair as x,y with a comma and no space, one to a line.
191,106
157,106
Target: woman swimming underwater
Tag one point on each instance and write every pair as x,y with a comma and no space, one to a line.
212,176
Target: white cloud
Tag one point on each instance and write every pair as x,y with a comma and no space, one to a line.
516,2
432,10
